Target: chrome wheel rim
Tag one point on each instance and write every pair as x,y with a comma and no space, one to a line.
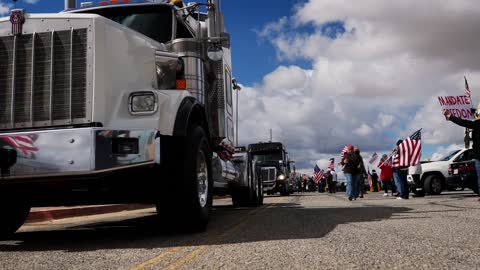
202,179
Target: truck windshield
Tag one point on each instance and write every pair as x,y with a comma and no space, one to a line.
449,156
272,156
154,21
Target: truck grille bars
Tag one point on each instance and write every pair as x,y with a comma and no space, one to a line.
43,79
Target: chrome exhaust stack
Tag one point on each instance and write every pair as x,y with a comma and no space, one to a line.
70,4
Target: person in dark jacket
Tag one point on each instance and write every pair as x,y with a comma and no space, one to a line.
350,162
361,174
330,183
475,127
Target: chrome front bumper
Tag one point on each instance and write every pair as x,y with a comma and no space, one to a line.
76,151
269,185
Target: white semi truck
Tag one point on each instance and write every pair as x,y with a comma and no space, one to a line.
119,102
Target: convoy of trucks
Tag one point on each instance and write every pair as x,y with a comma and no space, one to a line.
127,102
122,102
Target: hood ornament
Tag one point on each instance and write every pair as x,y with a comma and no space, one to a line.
17,19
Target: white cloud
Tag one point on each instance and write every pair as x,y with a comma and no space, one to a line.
363,130
443,151
4,8
374,84
31,1
385,119
272,28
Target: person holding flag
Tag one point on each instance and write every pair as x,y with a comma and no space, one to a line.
406,154
386,175
400,174
350,162
475,127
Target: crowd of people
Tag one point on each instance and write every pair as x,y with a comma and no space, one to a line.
392,180
327,183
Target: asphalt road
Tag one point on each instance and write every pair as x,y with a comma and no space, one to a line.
302,231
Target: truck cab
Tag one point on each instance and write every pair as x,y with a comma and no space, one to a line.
272,154
93,93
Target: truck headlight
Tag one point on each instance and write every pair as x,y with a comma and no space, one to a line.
143,102
281,177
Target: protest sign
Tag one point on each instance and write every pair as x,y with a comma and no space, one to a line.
458,106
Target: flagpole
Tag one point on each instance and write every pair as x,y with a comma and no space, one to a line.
466,139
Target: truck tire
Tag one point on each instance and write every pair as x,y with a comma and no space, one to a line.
188,197
248,196
240,196
13,217
260,193
284,191
257,198
433,185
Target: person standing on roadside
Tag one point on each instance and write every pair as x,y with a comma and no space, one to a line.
361,173
334,180
331,187
475,127
374,181
386,175
400,174
350,163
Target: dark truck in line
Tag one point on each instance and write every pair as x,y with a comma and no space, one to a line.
269,155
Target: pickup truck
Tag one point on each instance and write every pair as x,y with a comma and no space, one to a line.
434,175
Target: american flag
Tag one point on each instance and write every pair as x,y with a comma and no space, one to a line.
467,89
373,158
342,154
408,151
317,173
23,143
331,166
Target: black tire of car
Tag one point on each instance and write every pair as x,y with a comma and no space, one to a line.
182,206
433,185
14,215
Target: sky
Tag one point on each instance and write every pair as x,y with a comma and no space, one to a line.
325,73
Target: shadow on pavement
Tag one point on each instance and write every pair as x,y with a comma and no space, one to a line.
271,222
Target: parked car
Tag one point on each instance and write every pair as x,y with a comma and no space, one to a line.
434,173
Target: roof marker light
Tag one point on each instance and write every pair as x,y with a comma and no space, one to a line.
86,4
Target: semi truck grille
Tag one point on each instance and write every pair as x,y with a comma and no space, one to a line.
43,78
